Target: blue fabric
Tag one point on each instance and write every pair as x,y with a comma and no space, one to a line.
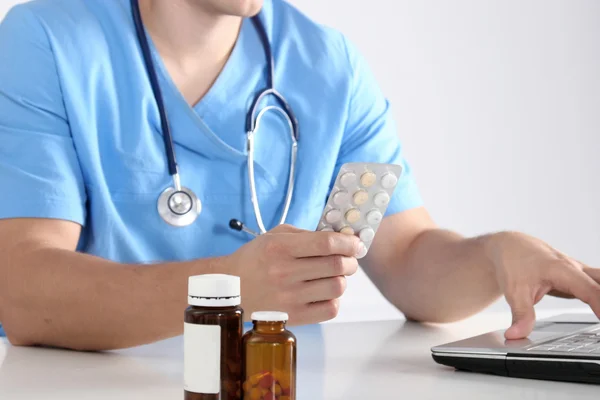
81,141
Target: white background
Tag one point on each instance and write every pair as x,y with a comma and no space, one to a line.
498,106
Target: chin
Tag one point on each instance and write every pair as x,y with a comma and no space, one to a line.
249,8
240,8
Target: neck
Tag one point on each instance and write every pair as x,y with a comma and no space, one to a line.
194,42
184,31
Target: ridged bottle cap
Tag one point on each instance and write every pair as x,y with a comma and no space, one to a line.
269,316
214,290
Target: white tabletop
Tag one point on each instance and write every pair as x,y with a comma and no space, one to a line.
372,360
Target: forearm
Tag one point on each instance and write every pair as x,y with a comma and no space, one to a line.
66,299
442,277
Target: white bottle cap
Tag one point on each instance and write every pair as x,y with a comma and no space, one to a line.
214,290
270,316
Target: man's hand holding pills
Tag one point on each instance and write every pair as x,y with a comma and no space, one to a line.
300,272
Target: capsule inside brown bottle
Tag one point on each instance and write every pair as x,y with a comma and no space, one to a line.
269,362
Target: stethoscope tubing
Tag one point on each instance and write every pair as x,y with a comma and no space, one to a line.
251,181
151,71
252,126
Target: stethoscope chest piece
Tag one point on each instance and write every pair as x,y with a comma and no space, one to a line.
179,207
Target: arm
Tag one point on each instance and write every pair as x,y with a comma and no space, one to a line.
431,274
438,276
52,295
435,275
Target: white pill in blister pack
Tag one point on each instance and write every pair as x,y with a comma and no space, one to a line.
389,181
348,179
381,199
359,200
366,234
341,197
333,216
374,217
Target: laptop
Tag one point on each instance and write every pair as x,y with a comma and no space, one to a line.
562,348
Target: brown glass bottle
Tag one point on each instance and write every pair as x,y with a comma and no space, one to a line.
269,359
213,328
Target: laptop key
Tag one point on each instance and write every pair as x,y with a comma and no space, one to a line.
579,343
591,349
564,340
568,347
542,348
579,351
589,342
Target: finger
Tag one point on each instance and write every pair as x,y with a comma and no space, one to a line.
561,295
316,312
523,314
322,290
593,273
308,269
579,284
314,244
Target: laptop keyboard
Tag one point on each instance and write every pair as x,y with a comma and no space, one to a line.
581,343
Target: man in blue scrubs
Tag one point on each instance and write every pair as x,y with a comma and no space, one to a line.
87,262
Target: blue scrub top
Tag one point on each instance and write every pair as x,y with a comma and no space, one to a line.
80,136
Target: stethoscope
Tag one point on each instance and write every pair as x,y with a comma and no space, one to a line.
178,205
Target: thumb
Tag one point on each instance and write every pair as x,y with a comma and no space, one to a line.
523,316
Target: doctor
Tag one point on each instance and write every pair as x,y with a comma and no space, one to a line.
124,155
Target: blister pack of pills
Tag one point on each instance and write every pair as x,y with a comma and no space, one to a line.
359,200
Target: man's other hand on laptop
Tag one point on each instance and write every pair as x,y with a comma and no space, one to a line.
527,269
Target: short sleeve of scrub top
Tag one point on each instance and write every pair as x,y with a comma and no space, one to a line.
80,136
370,133
40,174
